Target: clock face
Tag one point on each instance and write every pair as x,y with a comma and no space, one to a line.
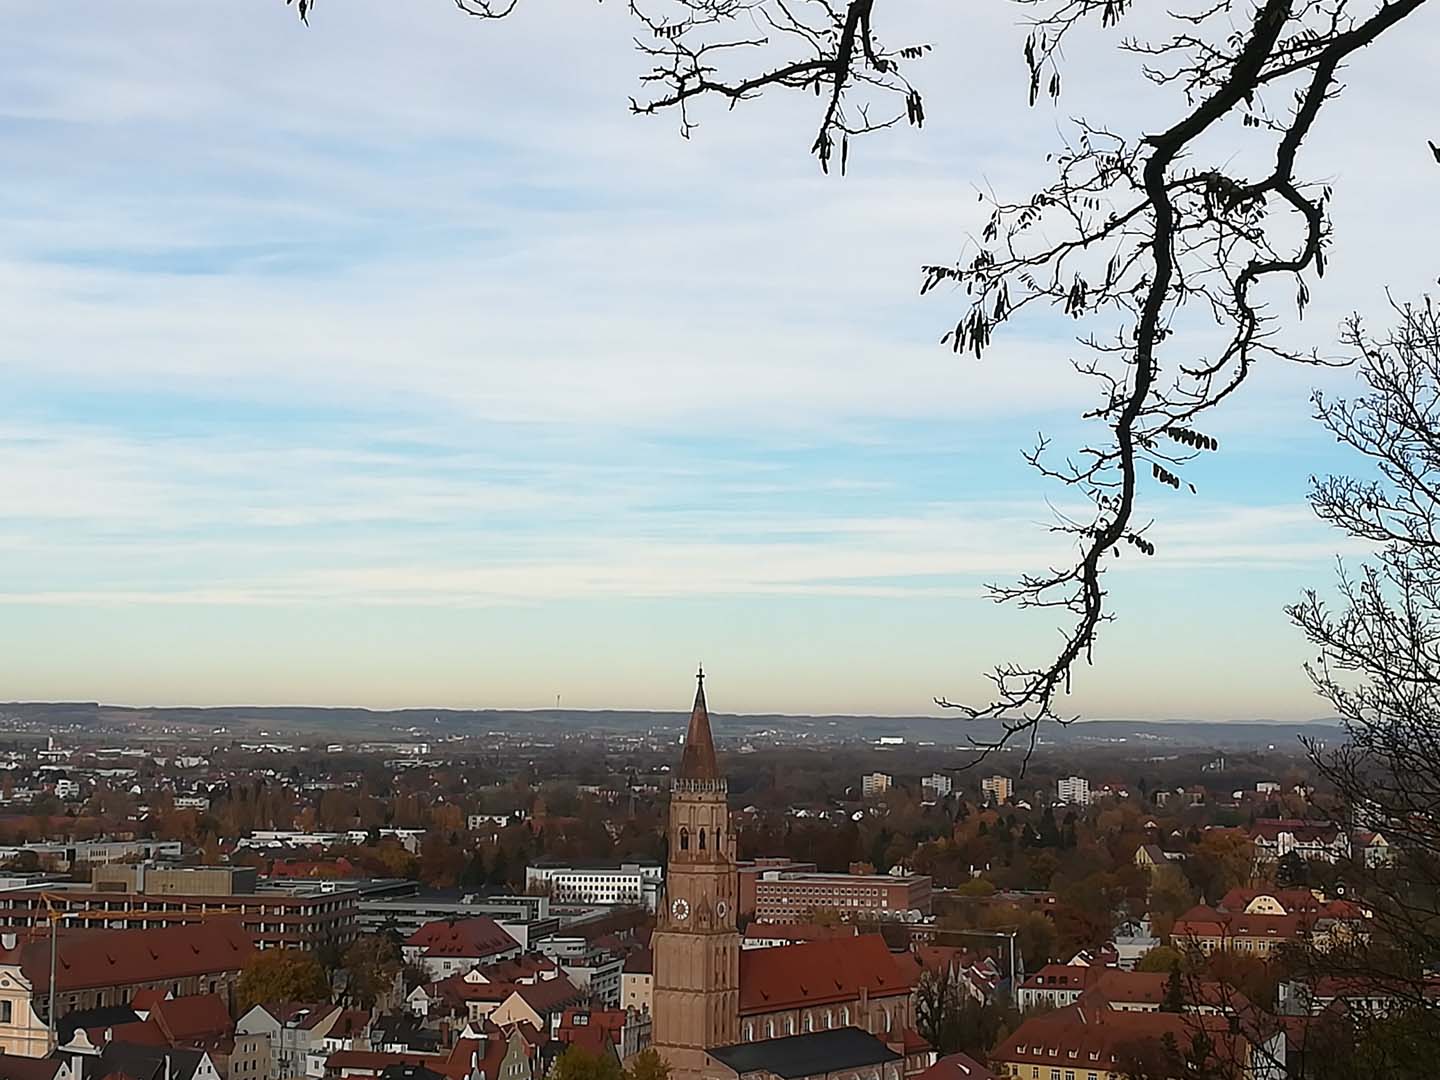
680,909
721,908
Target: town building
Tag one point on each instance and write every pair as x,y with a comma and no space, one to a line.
719,1011
1073,791
787,896
1152,857
1096,1042
875,784
1277,838
633,882
1261,922
997,790
306,918
454,946
749,872
637,980
936,786
94,969
159,879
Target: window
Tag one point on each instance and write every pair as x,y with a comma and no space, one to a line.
684,838
702,839
7,1012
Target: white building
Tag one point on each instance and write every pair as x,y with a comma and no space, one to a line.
936,786
1073,791
67,789
875,783
598,881
997,789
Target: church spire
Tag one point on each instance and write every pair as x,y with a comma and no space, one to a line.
698,762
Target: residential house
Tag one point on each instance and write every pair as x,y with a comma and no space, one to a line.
453,946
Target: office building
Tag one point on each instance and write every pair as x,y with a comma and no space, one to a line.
788,896
635,883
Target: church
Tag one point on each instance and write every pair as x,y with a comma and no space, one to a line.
840,1009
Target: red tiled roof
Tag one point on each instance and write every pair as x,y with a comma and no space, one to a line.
377,1060
1292,900
195,1018
1062,977
798,932
1108,1040
476,938
92,959
143,1000
819,972
1203,922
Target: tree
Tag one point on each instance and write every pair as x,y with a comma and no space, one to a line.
578,1064
276,975
1378,667
1162,958
1137,239
647,1065
371,963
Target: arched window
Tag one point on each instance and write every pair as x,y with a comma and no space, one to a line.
829,1019
807,1023
789,1025
702,839
749,1031
770,1029
844,1015
684,838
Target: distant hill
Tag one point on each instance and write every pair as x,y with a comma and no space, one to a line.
357,724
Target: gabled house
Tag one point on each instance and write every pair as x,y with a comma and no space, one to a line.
454,946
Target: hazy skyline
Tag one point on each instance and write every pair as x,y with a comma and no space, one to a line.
376,363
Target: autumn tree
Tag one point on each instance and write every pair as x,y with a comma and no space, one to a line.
371,964
647,1065
275,975
579,1064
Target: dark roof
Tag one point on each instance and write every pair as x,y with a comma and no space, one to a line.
409,1072
105,1016
806,1055
698,761
956,1067
15,1067
148,1062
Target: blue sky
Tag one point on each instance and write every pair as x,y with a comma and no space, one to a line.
391,362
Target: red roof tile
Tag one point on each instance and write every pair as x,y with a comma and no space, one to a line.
819,972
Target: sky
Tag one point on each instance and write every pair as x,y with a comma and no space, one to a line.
391,362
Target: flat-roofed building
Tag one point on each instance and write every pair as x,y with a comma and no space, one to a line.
293,920
788,896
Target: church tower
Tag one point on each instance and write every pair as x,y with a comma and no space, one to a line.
696,947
